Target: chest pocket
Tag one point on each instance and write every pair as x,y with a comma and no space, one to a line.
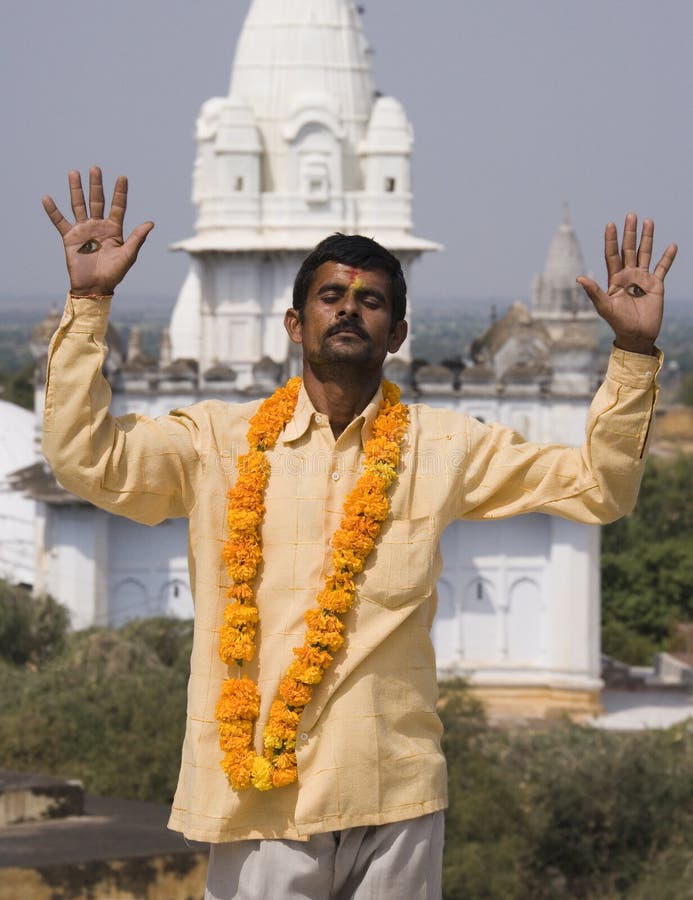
400,568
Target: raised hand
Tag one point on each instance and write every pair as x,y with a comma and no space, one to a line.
97,256
634,302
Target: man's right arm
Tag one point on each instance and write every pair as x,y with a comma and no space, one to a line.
135,466
139,467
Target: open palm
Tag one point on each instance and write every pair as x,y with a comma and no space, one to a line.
97,255
633,304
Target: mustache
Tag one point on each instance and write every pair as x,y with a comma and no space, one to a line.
347,328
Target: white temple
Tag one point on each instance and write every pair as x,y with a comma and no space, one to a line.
303,146
17,512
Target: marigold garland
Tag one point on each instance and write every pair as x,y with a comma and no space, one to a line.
365,509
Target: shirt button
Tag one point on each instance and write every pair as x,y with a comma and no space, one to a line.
335,476
318,418
303,736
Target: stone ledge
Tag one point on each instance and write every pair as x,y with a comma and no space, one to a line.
32,798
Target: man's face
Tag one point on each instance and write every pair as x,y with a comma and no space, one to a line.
347,319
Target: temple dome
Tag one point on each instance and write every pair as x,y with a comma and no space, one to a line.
564,260
288,54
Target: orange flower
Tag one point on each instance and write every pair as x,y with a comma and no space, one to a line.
282,777
237,728
335,598
238,768
239,700
247,496
368,499
348,561
236,645
244,521
242,556
237,615
294,693
313,657
364,510
241,592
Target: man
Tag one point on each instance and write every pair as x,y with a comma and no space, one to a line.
333,502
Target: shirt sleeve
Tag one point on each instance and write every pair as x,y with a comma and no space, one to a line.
135,466
504,475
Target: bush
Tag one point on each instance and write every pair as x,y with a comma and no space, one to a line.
32,629
108,711
565,812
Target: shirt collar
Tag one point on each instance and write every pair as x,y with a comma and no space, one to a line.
305,412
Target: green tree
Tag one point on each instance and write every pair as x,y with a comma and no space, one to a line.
647,564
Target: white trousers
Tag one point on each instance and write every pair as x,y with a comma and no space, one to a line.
399,861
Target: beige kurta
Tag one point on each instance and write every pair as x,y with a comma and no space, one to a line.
369,742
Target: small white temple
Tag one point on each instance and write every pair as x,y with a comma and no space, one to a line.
303,146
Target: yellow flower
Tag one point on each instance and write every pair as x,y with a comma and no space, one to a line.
261,775
280,731
304,673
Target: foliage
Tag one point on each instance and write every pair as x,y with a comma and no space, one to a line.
32,629
687,389
18,387
565,811
109,710
647,564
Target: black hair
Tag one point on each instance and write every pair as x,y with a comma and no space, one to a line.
360,252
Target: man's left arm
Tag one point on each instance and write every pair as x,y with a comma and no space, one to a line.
504,475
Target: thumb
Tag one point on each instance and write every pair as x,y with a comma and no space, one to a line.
594,292
137,237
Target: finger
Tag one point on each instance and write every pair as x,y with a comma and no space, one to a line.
96,199
614,263
79,207
630,239
645,248
136,238
56,217
119,201
594,292
665,262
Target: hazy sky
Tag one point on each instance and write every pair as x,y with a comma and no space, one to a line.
517,106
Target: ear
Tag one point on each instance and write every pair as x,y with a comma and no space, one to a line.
292,323
397,336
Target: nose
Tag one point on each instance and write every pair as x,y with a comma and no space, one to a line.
348,306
